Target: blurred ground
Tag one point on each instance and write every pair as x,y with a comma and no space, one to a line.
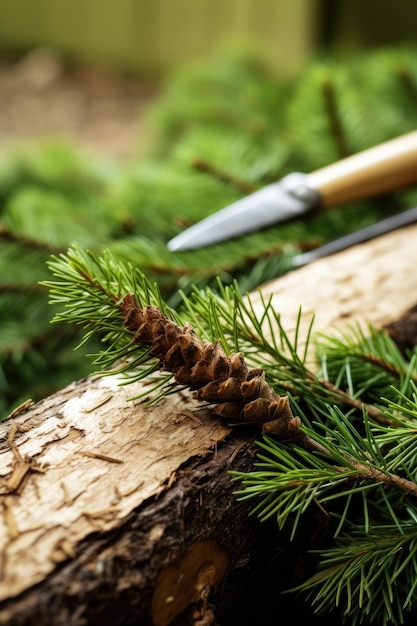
41,97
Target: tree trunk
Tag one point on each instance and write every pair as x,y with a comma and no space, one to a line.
119,512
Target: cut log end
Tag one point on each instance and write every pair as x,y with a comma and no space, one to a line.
188,580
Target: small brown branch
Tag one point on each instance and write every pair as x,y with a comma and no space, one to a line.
355,403
98,285
223,176
102,457
27,242
385,365
336,127
389,480
365,471
408,83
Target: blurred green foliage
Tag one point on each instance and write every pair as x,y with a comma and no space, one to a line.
220,129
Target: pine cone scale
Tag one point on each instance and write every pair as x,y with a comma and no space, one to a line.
239,393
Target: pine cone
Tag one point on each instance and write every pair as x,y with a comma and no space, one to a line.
241,395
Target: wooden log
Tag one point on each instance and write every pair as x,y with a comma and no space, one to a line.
119,512
369,283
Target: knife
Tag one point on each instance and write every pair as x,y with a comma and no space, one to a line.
383,168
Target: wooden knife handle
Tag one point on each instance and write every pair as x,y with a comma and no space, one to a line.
381,169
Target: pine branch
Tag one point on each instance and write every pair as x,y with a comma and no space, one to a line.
205,166
228,322
335,123
367,577
25,241
265,344
366,489
372,359
408,82
239,393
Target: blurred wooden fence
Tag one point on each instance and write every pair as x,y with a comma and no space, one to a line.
153,35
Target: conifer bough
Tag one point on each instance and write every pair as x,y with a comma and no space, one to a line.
96,290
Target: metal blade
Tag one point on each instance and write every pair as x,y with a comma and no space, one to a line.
360,236
288,198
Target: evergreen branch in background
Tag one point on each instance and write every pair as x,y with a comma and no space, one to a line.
324,450
221,128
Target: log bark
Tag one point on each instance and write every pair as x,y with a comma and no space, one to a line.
119,512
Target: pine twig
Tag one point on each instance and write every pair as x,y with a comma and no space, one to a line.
345,398
332,112
408,83
27,242
366,472
223,176
119,298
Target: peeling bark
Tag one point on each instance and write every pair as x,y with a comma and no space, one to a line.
90,540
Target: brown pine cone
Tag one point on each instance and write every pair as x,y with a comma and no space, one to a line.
241,395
